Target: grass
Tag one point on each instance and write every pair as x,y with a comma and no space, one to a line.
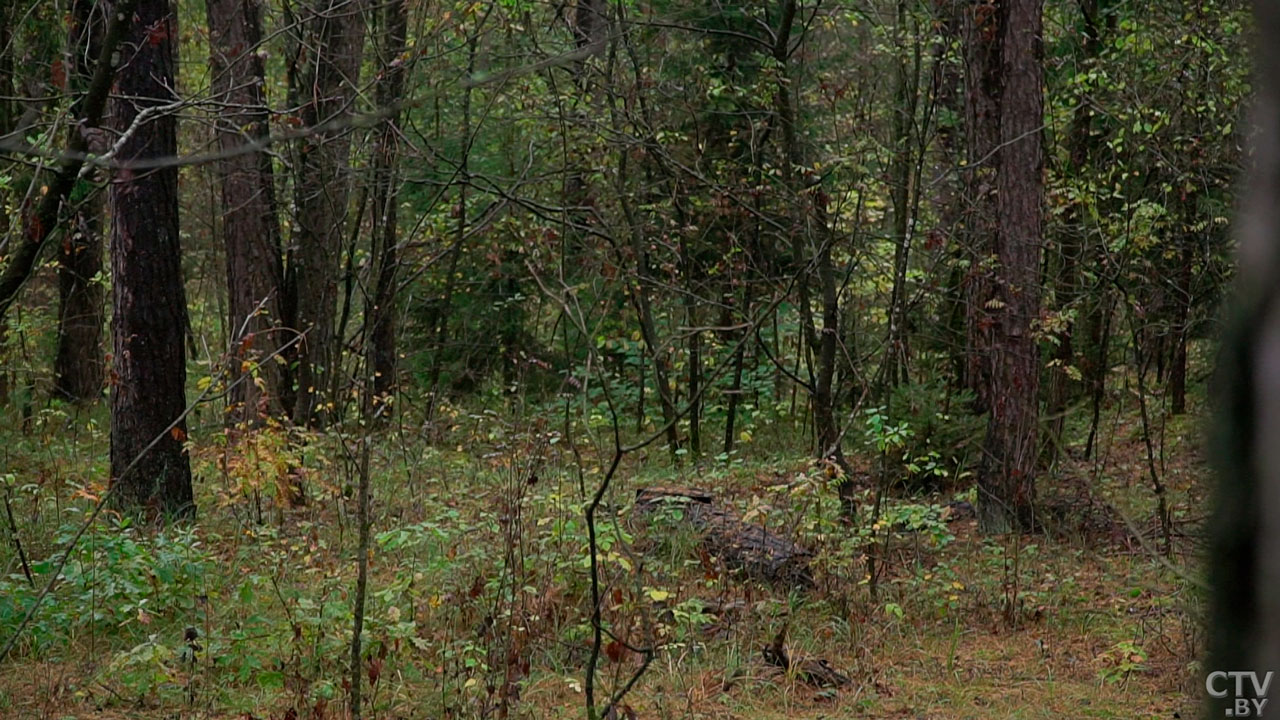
479,587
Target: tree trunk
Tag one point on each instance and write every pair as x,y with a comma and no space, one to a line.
23,259
811,213
638,290
250,229
982,43
1072,246
78,365
150,310
1244,568
1096,370
382,333
335,38
739,364
949,187
1182,310
648,328
7,123
691,276
1006,480
896,362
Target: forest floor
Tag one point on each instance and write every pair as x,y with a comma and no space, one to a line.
480,595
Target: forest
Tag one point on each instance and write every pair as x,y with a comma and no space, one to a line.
638,359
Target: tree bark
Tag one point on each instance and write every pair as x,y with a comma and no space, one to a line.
1006,480
335,37
982,42
150,311
250,228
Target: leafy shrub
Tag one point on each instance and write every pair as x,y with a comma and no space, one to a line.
116,578
927,433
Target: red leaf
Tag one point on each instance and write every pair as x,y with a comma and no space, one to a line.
158,32
58,73
613,651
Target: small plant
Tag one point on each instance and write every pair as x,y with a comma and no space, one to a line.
1120,660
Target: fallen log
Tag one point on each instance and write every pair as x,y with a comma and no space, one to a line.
816,672
743,547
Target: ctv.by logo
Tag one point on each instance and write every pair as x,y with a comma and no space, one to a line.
1218,685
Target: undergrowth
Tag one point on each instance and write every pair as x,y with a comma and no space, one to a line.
479,600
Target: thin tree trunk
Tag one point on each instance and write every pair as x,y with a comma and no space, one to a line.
638,289
442,321
78,364
1178,362
385,198
948,184
812,213
694,349
250,228
8,122
1072,246
460,233
1157,486
907,96
1096,371
150,311
735,390
335,39
644,312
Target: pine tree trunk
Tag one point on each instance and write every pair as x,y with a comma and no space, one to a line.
150,311
1006,480
250,229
